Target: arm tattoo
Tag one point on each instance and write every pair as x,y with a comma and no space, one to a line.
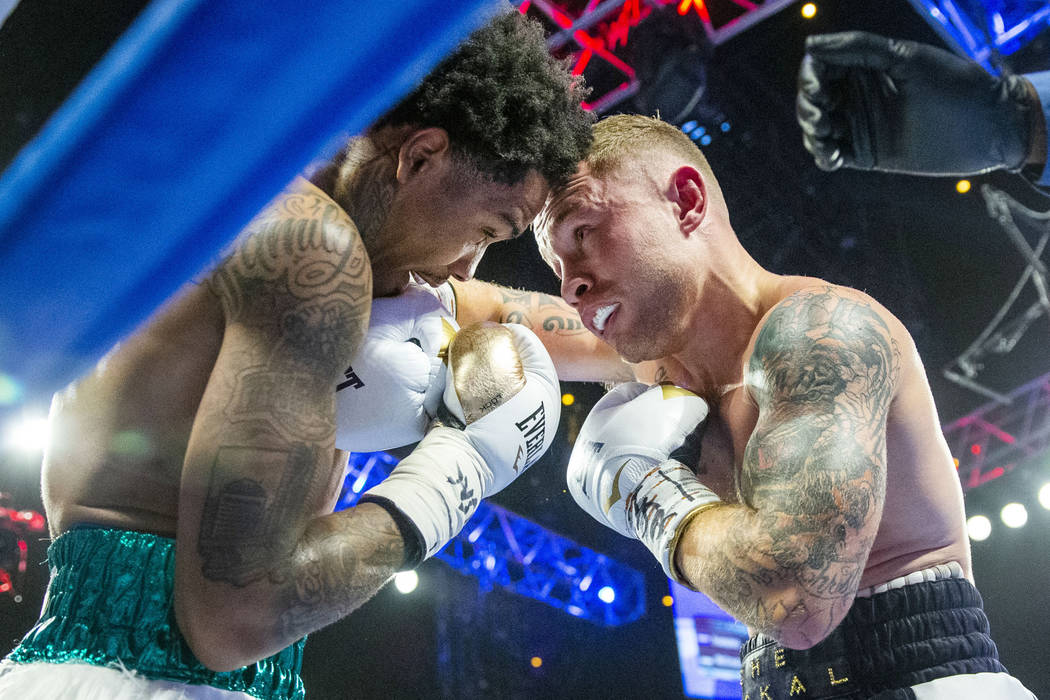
297,291
822,371
536,310
341,562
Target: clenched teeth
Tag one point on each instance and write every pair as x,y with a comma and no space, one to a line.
602,315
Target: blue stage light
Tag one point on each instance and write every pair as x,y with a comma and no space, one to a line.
705,140
689,126
503,549
725,127
981,29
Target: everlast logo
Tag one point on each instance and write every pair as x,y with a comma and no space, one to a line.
532,429
351,380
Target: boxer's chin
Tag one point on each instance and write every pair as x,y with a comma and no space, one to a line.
389,284
641,343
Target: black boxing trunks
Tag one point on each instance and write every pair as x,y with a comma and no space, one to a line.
897,638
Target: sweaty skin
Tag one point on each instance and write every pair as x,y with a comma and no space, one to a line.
842,478
176,432
823,438
214,422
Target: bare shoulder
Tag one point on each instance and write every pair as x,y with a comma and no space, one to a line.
820,333
809,291
301,253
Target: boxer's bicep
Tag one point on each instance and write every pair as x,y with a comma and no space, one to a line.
822,372
578,355
788,559
296,296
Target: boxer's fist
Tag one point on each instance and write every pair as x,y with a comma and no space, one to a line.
394,386
504,400
623,472
502,388
868,102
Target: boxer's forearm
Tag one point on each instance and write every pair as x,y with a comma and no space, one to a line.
578,355
340,562
742,562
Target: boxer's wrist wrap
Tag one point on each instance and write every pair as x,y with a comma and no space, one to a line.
437,487
415,547
660,507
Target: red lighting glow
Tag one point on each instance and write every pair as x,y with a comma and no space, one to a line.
975,449
685,5
630,15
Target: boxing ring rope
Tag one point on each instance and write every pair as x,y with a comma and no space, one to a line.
199,114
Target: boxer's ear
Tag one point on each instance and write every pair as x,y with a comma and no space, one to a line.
421,151
689,195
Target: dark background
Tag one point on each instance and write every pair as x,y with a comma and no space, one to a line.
932,256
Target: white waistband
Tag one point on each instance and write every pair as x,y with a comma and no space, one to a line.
952,569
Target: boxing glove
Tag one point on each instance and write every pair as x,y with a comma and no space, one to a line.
394,386
623,470
868,102
503,402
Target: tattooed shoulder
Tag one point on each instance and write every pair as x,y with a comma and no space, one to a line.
821,343
299,263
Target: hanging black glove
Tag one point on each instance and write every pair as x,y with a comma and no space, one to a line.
872,103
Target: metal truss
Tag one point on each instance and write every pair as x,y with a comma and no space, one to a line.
985,29
502,549
593,32
1013,427
1003,332
992,440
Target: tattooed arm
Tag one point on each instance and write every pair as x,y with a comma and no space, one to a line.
258,563
578,355
787,559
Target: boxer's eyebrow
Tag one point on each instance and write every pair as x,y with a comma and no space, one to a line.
512,222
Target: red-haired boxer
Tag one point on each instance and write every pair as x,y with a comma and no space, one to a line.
824,510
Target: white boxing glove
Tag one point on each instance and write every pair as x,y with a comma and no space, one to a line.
394,386
621,470
503,390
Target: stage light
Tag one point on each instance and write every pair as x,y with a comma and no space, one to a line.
406,581
27,434
10,390
1044,496
975,449
705,140
567,399
689,126
536,662
1014,515
697,132
606,594
809,10
962,186
725,127
978,527
667,601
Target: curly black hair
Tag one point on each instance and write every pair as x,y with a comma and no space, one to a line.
508,106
